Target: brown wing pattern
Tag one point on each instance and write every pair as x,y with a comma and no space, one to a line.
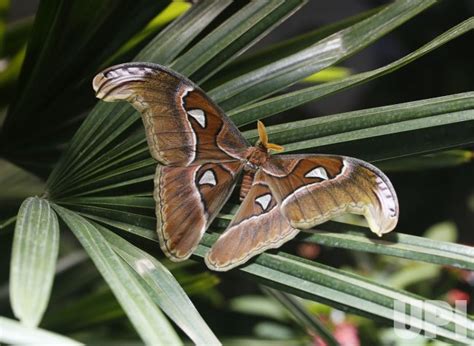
313,189
257,226
183,126
187,200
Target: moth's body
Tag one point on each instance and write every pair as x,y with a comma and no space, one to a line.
257,156
201,154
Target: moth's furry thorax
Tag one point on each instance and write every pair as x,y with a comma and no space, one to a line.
256,157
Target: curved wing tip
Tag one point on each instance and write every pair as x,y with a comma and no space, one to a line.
112,84
386,226
97,83
174,256
217,267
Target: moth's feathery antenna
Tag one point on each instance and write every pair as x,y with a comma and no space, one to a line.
262,134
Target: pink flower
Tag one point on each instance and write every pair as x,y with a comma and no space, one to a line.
308,250
346,334
456,294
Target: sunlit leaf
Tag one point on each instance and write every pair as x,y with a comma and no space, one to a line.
328,75
17,334
34,254
174,39
174,10
4,5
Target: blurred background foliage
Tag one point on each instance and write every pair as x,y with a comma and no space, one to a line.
334,285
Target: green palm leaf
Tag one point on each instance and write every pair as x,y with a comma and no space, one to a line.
164,289
147,319
35,250
101,186
16,333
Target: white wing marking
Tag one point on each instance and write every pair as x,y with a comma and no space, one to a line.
208,178
199,115
264,200
318,172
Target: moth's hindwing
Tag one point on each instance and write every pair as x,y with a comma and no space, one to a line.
257,226
187,200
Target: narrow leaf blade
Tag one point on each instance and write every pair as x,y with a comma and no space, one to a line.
247,114
332,234
34,255
247,26
375,122
164,289
147,319
300,313
287,71
171,41
16,333
280,50
350,292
